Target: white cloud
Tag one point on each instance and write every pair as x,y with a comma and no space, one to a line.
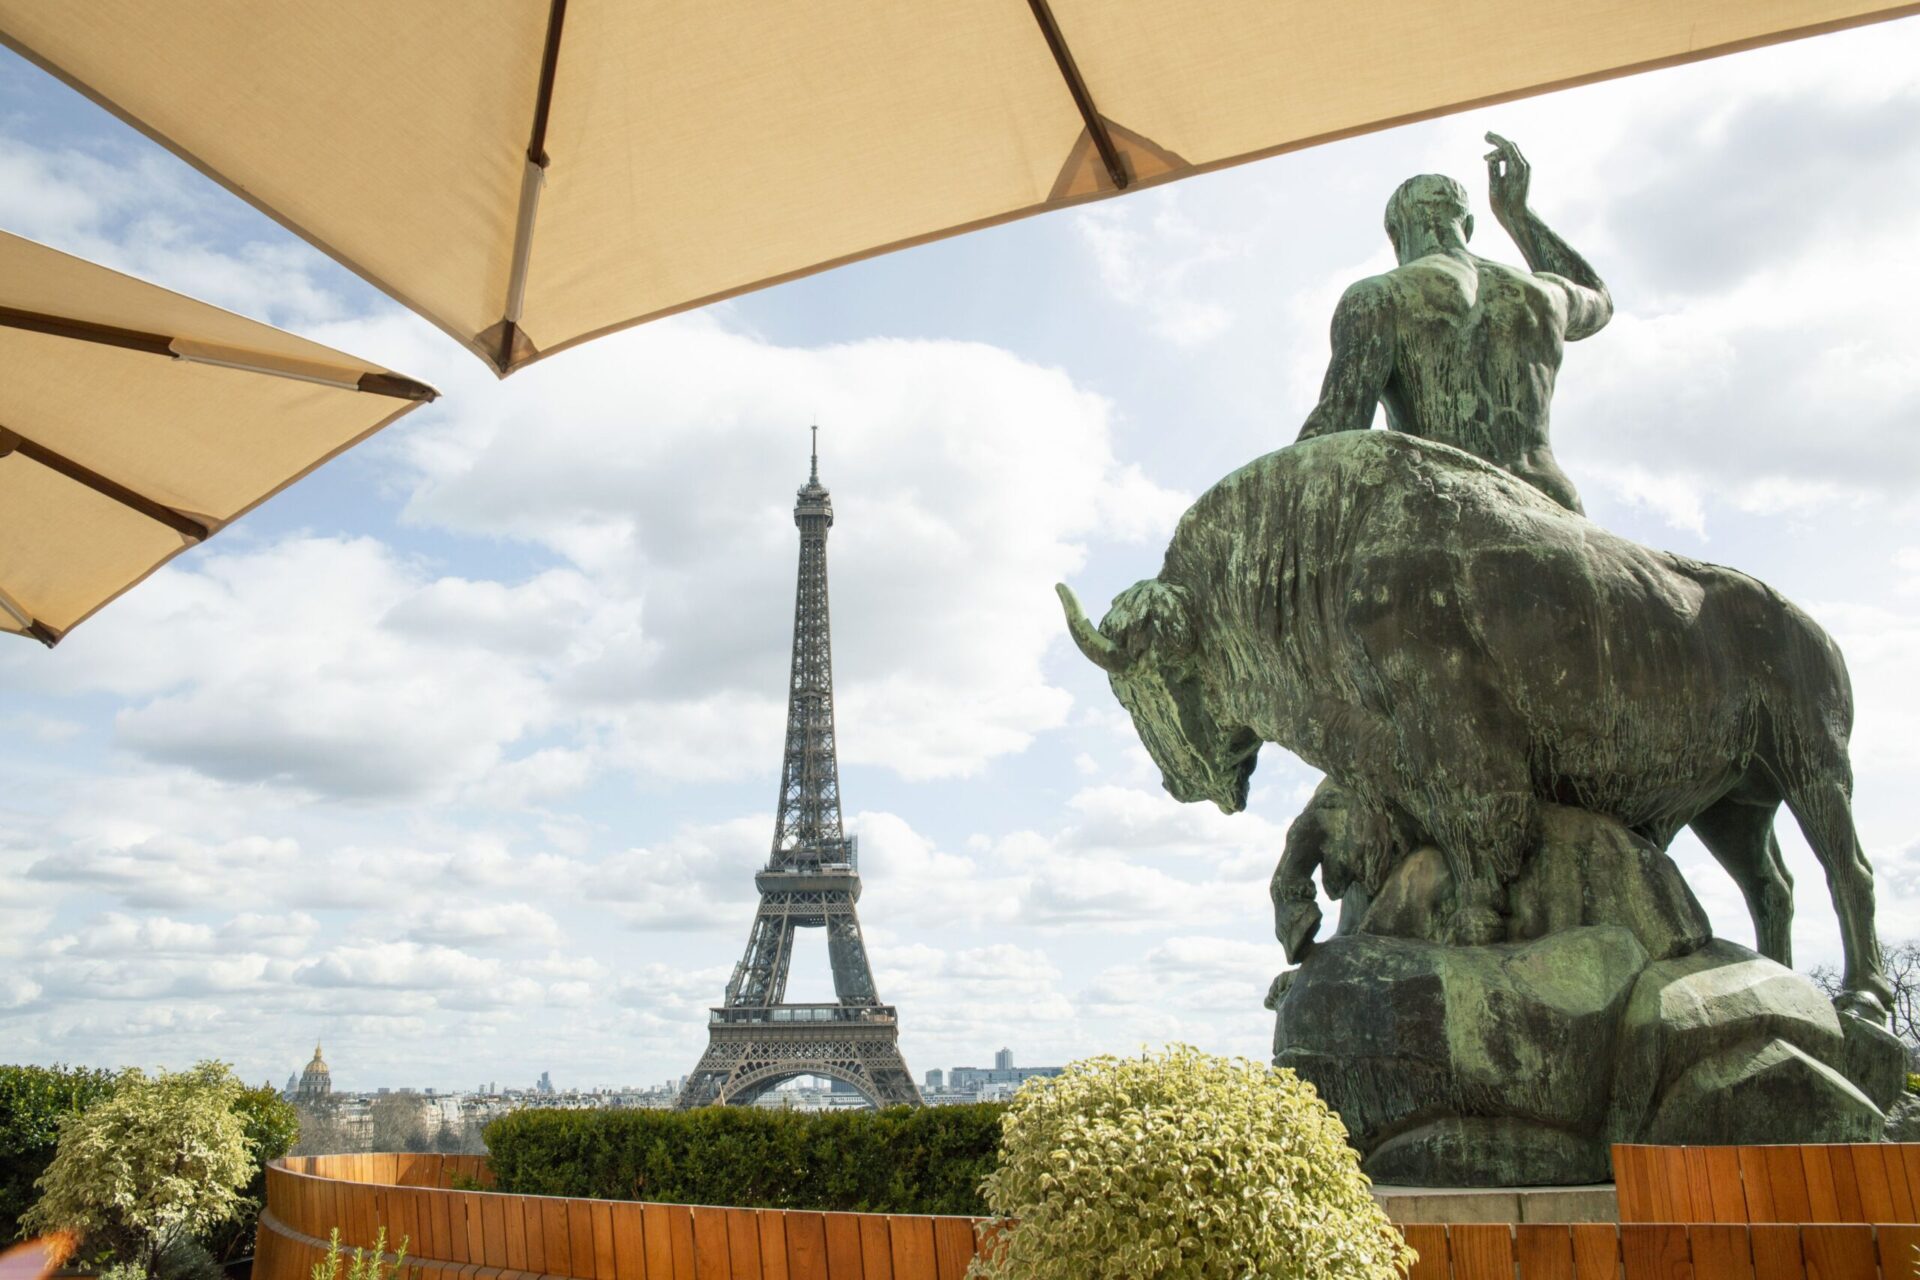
1146,251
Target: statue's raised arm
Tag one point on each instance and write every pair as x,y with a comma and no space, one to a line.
1589,305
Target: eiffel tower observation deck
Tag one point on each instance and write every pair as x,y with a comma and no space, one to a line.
756,1039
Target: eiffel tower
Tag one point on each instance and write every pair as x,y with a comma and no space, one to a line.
756,1039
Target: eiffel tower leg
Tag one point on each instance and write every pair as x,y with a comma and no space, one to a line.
762,976
847,953
710,1076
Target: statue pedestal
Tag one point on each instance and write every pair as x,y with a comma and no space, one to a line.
1518,1063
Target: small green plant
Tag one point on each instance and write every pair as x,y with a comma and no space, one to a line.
146,1172
1913,1086
365,1264
1181,1166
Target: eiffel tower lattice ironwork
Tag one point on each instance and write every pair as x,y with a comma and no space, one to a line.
756,1039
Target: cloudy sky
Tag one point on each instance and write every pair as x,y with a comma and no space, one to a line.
460,756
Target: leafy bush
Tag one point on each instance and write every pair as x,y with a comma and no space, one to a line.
33,1101
1182,1166
271,1125
927,1160
160,1162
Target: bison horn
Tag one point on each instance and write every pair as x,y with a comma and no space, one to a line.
1099,650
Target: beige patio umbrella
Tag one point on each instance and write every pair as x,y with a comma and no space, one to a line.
529,174
135,423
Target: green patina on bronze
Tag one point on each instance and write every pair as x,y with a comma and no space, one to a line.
1482,673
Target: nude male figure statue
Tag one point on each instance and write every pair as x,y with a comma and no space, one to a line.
1459,349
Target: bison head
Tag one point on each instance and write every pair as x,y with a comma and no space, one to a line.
1147,647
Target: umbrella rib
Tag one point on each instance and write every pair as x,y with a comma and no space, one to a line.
532,180
29,624
187,526
1082,96
159,344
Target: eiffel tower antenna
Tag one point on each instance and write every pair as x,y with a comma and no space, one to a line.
756,1040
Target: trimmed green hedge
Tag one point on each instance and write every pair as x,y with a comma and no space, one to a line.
902,1160
33,1101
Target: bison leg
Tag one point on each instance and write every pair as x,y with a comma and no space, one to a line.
1825,813
1486,839
1739,834
1296,916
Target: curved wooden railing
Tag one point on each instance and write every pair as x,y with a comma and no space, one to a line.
485,1235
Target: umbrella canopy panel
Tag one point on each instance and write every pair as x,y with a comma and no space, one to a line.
529,175
135,422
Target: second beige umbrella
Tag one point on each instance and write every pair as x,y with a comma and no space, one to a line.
529,174
135,423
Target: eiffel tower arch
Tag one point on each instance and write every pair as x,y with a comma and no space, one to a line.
756,1040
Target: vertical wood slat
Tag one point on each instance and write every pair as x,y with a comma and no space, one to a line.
1721,1251
1544,1251
1776,1252
1876,1196
1629,1183
876,1250
1726,1196
806,1246
843,1247
773,1244
534,1221
1429,1240
514,1215
1699,1183
680,1230
1903,1179
629,1242
580,1246
558,1256
1846,1185
1679,1183
743,1245
912,1239
710,1244
1481,1250
954,1247
1596,1251
1655,1251
470,1206
1789,1184
1758,1181
1837,1252
493,1230
603,1259
657,1229
1823,1201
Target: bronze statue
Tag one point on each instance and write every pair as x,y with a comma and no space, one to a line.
1516,712
1460,349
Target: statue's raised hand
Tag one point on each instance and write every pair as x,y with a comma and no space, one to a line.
1507,175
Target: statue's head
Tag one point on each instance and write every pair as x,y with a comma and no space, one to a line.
1426,208
1146,645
